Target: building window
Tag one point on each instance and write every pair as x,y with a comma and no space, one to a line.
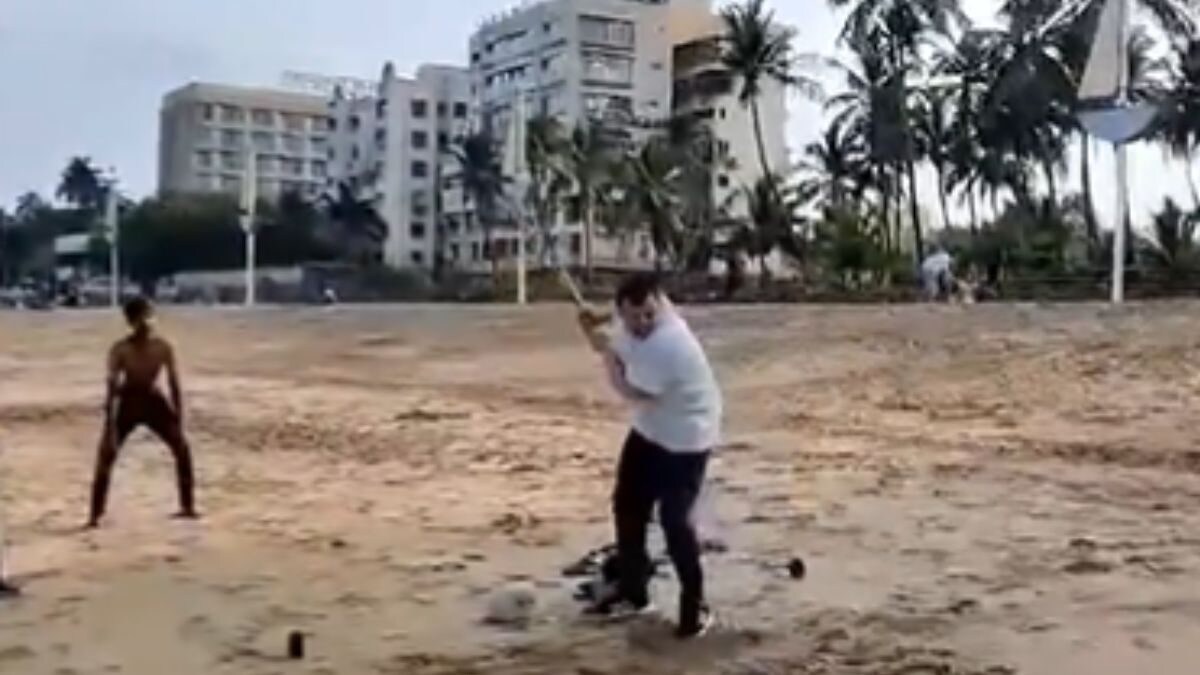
475,250
318,144
476,57
332,124
263,118
460,111
420,169
722,181
547,26
318,169
420,205
232,115
451,225
264,141
332,153
576,244
231,138
420,108
443,141
293,122
319,122
381,138
204,159
264,164
442,110
381,107
293,144
721,113
417,230
607,68
207,112
355,123
601,30
420,140
418,258
354,153
454,252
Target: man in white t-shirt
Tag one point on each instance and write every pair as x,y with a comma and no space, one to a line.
937,275
656,364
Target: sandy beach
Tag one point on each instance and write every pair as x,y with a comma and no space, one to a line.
981,490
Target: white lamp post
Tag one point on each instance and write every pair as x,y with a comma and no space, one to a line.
112,225
249,199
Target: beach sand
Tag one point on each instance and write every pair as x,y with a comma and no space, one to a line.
975,491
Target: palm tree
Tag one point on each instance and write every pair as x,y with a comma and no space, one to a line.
756,49
80,184
647,196
589,162
893,30
934,133
1179,121
549,179
1173,249
482,180
361,227
833,167
769,225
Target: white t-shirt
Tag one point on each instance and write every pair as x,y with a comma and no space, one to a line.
937,264
670,365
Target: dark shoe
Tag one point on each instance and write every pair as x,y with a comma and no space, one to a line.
695,626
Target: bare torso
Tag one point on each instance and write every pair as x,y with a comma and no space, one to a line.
139,362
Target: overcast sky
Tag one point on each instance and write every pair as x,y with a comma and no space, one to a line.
85,77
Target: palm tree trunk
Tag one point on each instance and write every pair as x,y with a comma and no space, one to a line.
1085,176
1191,181
589,228
941,181
886,227
1051,183
758,138
915,211
974,211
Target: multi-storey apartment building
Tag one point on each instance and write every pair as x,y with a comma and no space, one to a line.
208,132
392,148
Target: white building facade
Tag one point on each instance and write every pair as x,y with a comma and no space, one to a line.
207,132
392,149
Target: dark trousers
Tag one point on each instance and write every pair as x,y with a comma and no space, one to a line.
649,474
134,409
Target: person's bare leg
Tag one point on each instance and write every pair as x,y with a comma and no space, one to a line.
184,474
106,457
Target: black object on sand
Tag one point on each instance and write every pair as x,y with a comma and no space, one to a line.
295,645
7,590
797,569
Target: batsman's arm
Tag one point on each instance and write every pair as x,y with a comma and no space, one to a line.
112,379
620,383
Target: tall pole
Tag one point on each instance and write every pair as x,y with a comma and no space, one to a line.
249,200
112,224
1119,238
1122,215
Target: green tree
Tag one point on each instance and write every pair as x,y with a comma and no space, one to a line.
589,159
482,179
80,185
549,180
359,226
756,49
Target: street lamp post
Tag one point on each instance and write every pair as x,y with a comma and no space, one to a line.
249,199
112,225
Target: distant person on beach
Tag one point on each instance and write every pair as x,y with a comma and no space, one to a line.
133,399
937,276
659,367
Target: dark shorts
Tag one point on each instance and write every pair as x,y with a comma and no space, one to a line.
150,409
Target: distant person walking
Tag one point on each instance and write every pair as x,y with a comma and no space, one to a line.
132,399
937,276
